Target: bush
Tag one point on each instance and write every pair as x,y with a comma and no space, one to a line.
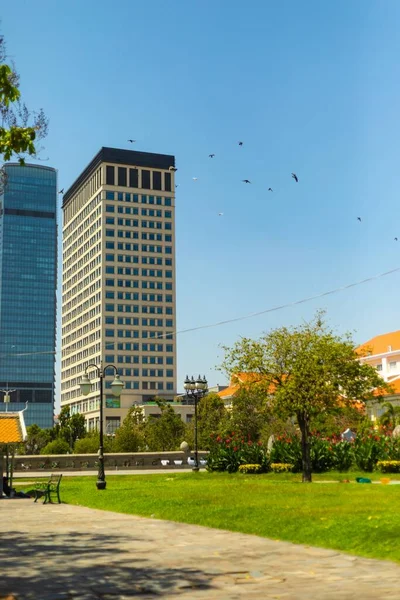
368,449
90,444
250,469
287,450
343,455
227,454
57,446
389,466
281,467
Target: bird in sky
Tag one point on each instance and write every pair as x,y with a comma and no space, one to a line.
177,185
220,214
194,178
211,155
240,143
174,169
246,180
132,141
294,176
270,190
61,191
396,239
359,219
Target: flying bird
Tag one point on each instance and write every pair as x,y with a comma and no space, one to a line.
177,185
194,178
396,239
61,191
359,219
220,214
174,169
246,180
294,176
240,143
132,141
270,190
211,155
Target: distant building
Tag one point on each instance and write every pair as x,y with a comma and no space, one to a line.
118,295
28,280
383,353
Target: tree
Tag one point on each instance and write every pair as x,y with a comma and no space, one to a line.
249,412
58,446
212,419
306,371
71,427
130,436
20,128
90,444
165,432
36,439
391,416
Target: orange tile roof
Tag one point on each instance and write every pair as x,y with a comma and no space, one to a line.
380,343
10,428
237,380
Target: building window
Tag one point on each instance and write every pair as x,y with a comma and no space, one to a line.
109,332
392,365
134,181
168,201
156,180
110,208
167,182
145,179
122,176
110,245
379,367
109,358
110,177
110,232
112,424
170,386
110,307
109,195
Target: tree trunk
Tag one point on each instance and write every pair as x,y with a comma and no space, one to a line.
304,425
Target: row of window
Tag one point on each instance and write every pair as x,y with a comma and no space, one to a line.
135,178
135,347
145,247
145,212
146,260
135,223
134,235
110,270
151,285
135,296
145,334
127,333
126,308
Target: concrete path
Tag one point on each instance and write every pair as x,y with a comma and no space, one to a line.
63,552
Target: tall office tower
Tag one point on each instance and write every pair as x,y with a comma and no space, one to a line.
118,294
28,281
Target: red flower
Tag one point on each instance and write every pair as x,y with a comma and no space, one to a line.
219,439
235,449
249,443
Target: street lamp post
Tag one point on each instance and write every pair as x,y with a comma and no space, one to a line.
6,398
116,389
195,390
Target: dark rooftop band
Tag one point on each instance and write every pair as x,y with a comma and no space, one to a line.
131,158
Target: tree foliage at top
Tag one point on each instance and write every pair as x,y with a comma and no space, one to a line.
20,128
305,371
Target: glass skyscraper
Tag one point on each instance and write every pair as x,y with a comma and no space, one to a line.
28,281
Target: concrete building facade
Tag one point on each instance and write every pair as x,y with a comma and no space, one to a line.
28,282
118,294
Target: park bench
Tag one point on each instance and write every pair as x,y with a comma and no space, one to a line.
46,489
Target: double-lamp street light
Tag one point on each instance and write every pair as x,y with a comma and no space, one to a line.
116,389
195,389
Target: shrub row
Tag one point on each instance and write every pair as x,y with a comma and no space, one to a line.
367,452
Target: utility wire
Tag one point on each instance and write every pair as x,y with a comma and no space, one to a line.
235,319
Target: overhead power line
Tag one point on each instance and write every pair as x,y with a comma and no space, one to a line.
236,319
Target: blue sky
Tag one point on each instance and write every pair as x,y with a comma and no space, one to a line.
311,87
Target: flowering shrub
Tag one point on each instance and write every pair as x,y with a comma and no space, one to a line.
281,467
343,456
369,448
287,450
389,466
250,469
227,454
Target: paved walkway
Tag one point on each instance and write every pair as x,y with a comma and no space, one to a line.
62,552
37,474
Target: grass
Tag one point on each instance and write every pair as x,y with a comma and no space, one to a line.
360,519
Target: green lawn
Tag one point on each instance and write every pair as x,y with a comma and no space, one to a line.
360,519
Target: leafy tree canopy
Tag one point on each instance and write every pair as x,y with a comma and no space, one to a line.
305,371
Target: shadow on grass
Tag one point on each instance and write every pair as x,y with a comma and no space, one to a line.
88,565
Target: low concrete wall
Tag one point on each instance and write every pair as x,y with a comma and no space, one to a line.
116,461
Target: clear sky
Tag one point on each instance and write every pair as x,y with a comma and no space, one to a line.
311,87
